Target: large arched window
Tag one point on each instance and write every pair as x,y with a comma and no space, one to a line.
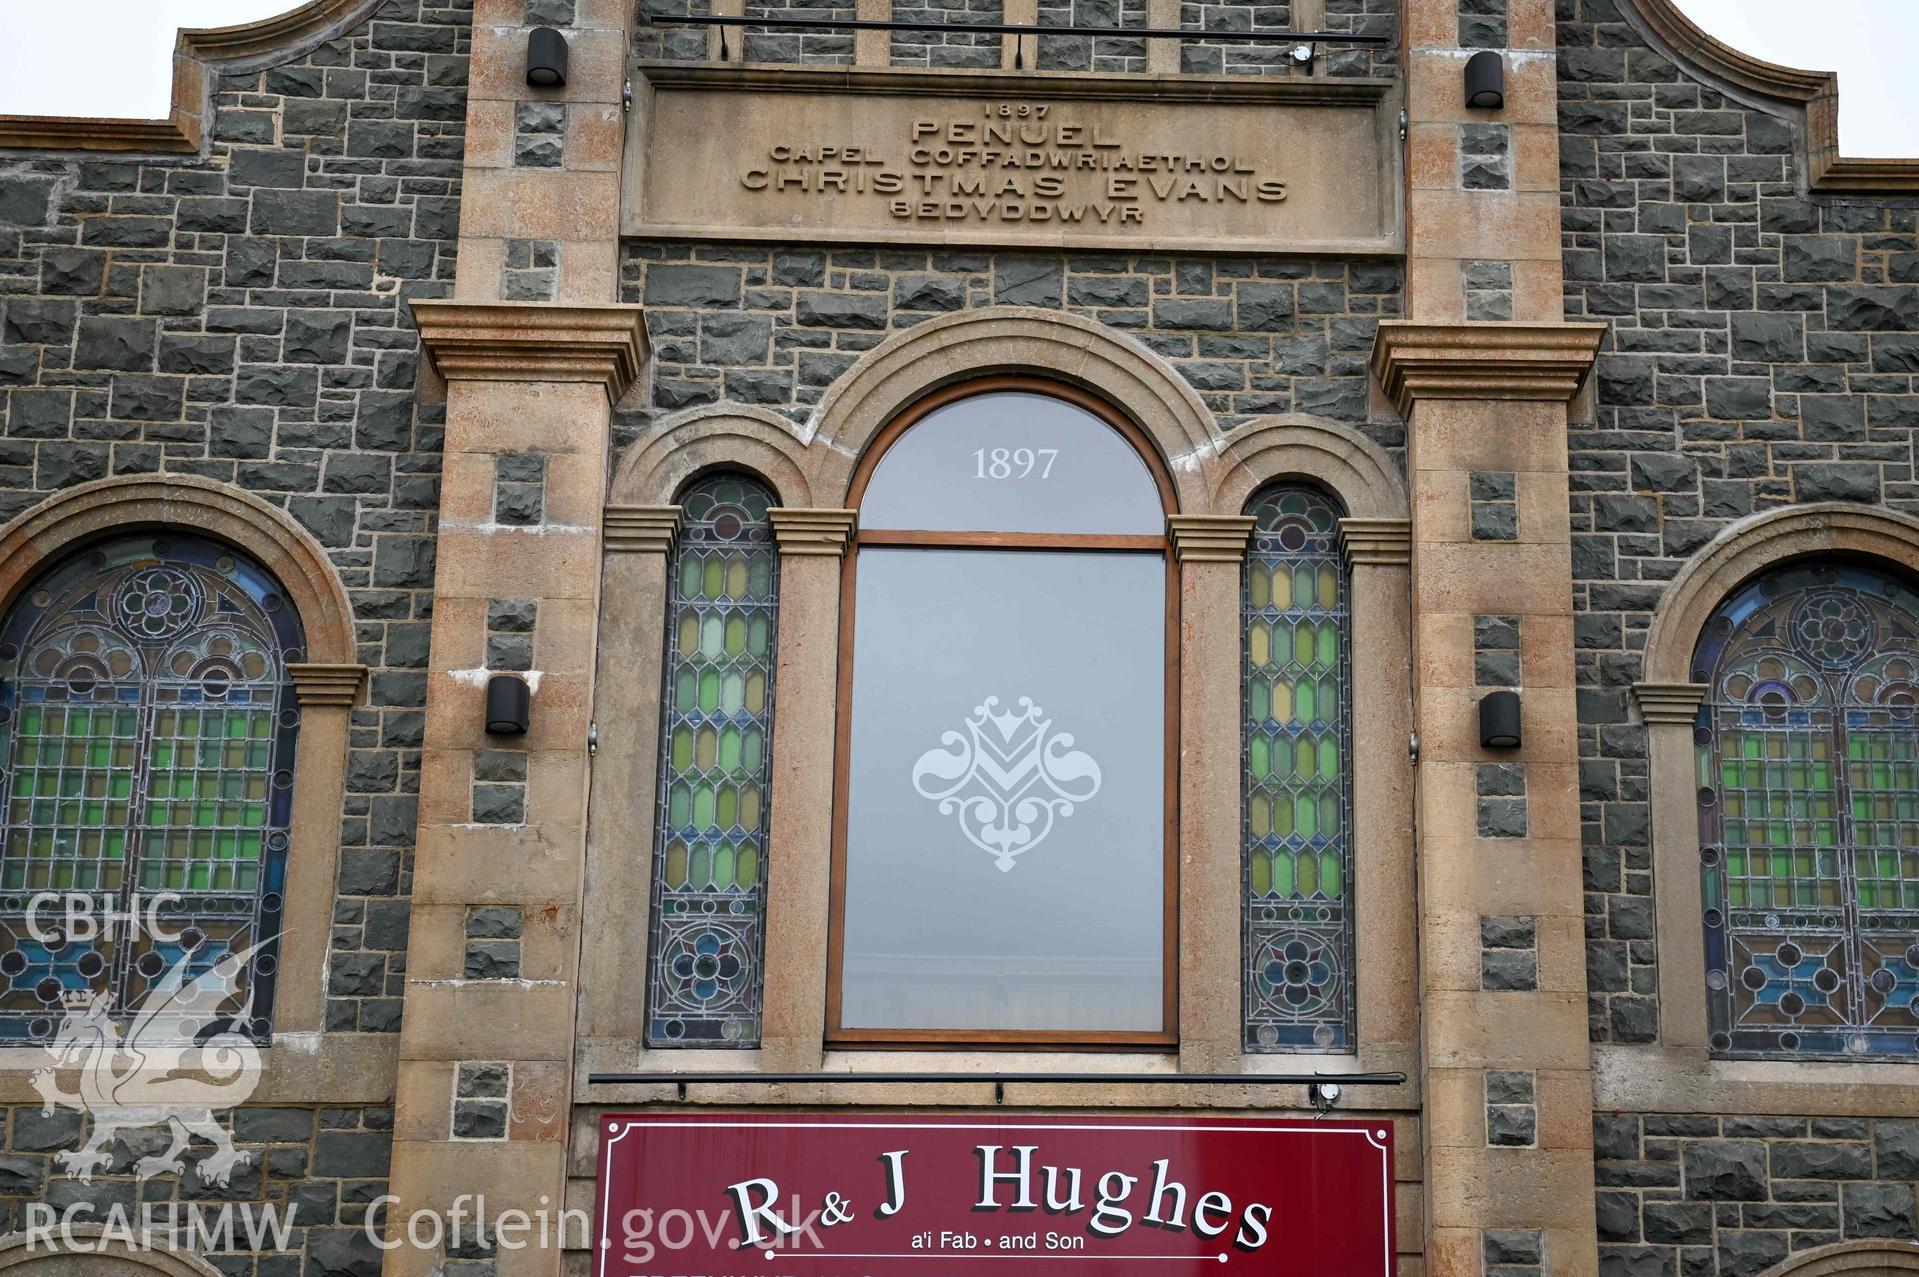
1297,788
1808,755
147,724
716,733
1003,853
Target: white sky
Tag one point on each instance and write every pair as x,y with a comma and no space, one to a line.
113,57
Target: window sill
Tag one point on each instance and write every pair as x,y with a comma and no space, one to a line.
305,1069
1655,1079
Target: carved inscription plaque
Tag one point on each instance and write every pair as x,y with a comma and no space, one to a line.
847,155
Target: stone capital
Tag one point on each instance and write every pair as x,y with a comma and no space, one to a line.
641,529
533,341
1376,542
1540,362
326,685
800,530
1669,702
1209,538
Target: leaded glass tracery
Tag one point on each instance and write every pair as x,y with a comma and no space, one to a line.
147,725
1297,788
709,865
1808,786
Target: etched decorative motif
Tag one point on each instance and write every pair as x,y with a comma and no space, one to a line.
1297,861
147,728
709,865
1007,778
1808,789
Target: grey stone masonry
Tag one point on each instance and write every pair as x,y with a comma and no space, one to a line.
1210,57
1733,1196
1762,351
812,47
319,1168
1088,53
480,1093
1512,1117
776,326
243,317
950,44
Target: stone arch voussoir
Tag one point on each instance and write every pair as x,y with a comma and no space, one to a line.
90,511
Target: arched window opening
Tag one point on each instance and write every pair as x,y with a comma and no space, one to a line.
716,734
148,726
1808,786
1297,725
1003,842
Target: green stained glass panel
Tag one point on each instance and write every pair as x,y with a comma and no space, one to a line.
704,969
1297,860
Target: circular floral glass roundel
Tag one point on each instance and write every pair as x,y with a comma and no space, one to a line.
145,713
1810,804
1297,863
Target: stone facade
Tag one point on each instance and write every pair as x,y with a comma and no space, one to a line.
245,316
242,317
1762,351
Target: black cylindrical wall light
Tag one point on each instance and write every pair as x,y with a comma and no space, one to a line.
1499,720
545,58
509,705
1486,80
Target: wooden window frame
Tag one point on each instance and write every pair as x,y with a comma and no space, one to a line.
897,1039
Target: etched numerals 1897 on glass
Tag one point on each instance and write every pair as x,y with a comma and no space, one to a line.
1014,463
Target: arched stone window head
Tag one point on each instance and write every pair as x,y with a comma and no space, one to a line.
1807,746
147,728
1873,1257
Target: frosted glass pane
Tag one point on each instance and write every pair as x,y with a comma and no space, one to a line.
1005,846
1013,462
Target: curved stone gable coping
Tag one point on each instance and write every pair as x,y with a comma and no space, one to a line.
87,511
200,57
1808,96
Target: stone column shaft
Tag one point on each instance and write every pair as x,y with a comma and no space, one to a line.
1211,552
800,867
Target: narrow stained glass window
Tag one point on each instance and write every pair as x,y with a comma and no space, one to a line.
709,868
148,728
1296,724
1808,789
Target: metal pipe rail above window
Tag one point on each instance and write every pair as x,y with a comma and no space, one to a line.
999,1080
1013,28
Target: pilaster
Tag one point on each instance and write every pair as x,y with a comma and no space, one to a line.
813,543
1506,1066
1211,552
494,954
624,794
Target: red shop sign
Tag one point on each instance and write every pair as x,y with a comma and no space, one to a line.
878,1195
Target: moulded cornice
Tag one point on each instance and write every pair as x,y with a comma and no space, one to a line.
1377,542
1813,94
323,685
812,531
1483,361
533,341
1669,702
201,56
641,529
1210,538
